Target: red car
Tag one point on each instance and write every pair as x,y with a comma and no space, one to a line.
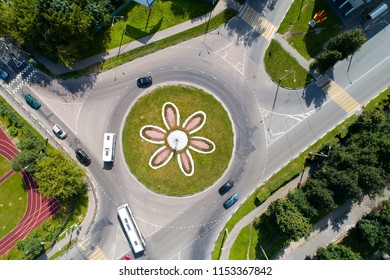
126,257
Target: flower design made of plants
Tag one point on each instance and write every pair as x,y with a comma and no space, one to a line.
177,140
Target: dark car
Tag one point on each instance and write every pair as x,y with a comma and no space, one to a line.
32,101
231,200
83,157
225,188
144,81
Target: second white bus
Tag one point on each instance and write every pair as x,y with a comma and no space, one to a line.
108,147
131,229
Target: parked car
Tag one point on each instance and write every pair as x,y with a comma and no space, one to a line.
225,188
32,101
59,132
231,200
144,81
83,157
3,74
126,257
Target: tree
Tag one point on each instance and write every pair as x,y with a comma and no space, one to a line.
371,180
347,43
30,151
31,247
337,252
343,183
319,196
288,219
299,199
58,176
326,60
375,228
62,29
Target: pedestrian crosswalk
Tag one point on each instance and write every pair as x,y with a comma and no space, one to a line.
338,94
90,251
257,22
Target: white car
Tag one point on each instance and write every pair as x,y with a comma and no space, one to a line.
58,131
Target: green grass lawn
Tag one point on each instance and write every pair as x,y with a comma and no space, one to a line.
169,179
308,40
5,166
139,21
277,61
13,201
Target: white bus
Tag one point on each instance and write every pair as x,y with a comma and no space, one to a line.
131,229
108,147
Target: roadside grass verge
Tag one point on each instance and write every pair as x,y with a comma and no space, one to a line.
307,40
110,63
137,21
283,69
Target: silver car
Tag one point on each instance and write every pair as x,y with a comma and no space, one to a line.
58,131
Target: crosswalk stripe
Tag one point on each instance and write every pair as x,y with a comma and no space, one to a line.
339,95
258,23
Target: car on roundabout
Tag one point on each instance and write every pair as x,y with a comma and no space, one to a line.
230,201
144,81
226,187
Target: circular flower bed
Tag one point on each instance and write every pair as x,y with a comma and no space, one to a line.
177,140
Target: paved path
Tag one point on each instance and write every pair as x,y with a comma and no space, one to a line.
331,228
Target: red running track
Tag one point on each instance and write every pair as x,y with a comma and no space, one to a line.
38,209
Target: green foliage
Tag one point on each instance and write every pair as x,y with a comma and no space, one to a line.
30,150
347,43
13,131
300,200
337,252
58,176
375,228
288,220
326,60
60,28
319,196
338,48
31,247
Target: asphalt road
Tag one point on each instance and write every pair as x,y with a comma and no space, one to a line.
272,126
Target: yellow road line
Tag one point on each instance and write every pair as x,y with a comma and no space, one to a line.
341,97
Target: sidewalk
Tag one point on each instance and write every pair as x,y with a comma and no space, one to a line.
248,219
58,69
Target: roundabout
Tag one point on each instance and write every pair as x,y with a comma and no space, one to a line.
177,140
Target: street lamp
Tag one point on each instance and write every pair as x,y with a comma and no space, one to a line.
288,74
321,154
113,18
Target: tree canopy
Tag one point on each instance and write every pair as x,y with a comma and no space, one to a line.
58,176
62,29
337,252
